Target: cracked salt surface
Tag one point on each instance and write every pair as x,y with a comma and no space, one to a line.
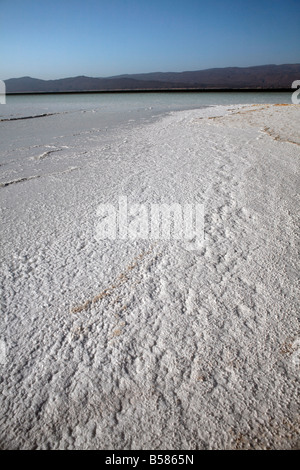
131,344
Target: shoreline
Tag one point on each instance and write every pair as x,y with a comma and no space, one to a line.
159,90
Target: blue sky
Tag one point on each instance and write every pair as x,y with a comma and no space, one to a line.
99,38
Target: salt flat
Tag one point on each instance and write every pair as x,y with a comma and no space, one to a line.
145,344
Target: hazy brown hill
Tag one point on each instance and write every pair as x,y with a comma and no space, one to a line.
28,84
265,76
258,75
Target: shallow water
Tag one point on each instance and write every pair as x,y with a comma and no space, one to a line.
67,126
124,104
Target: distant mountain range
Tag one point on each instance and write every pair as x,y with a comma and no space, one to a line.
259,77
